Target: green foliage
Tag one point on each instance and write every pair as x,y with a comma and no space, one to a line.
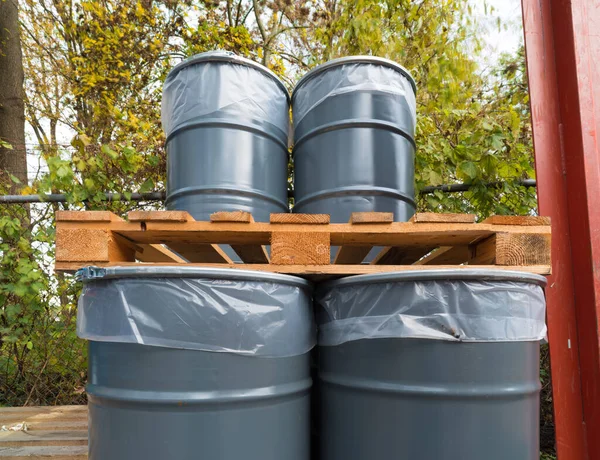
95,69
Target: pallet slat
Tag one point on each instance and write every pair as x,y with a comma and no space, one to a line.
348,255
209,253
399,255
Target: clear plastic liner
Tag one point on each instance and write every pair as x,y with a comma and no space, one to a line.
350,78
452,310
249,317
220,85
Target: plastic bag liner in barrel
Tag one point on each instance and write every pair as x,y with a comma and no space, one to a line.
459,305
227,124
241,312
354,126
430,365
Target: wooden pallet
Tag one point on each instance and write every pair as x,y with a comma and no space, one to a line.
56,433
301,243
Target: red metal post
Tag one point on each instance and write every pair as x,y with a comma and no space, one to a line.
562,40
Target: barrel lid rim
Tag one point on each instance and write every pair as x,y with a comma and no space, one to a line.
355,60
458,274
227,56
93,273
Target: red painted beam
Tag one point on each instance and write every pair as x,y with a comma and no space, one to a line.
562,40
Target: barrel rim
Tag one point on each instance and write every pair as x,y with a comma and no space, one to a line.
355,60
227,56
93,273
471,274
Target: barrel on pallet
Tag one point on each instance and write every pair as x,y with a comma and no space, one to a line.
226,119
197,363
430,365
354,125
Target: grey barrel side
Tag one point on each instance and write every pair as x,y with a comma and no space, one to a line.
403,375
197,363
354,124
156,403
227,124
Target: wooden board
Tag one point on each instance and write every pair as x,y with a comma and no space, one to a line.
435,217
371,217
55,433
317,272
311,219
302,240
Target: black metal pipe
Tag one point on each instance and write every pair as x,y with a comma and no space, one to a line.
61,198
160,196
452,188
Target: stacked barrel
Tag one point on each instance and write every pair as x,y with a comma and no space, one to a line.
190,363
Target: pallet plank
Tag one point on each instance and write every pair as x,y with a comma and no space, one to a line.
522,249
159,216
300,248
372,217
91,245
483,253
231,216
517,220
400,255
207,253
251,254
312,271
347,255
435,217
446,255
87,216
307,219
156,253
394,234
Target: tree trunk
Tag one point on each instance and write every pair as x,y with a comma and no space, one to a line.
12,108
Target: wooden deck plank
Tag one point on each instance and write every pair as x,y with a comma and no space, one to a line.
42,409
44,453
43,438
54,432
57,425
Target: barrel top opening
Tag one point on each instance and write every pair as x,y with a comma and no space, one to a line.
439,275
227,57
88,274
356,60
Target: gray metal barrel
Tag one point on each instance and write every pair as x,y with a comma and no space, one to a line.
152,397
354,125
395,395
226,119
